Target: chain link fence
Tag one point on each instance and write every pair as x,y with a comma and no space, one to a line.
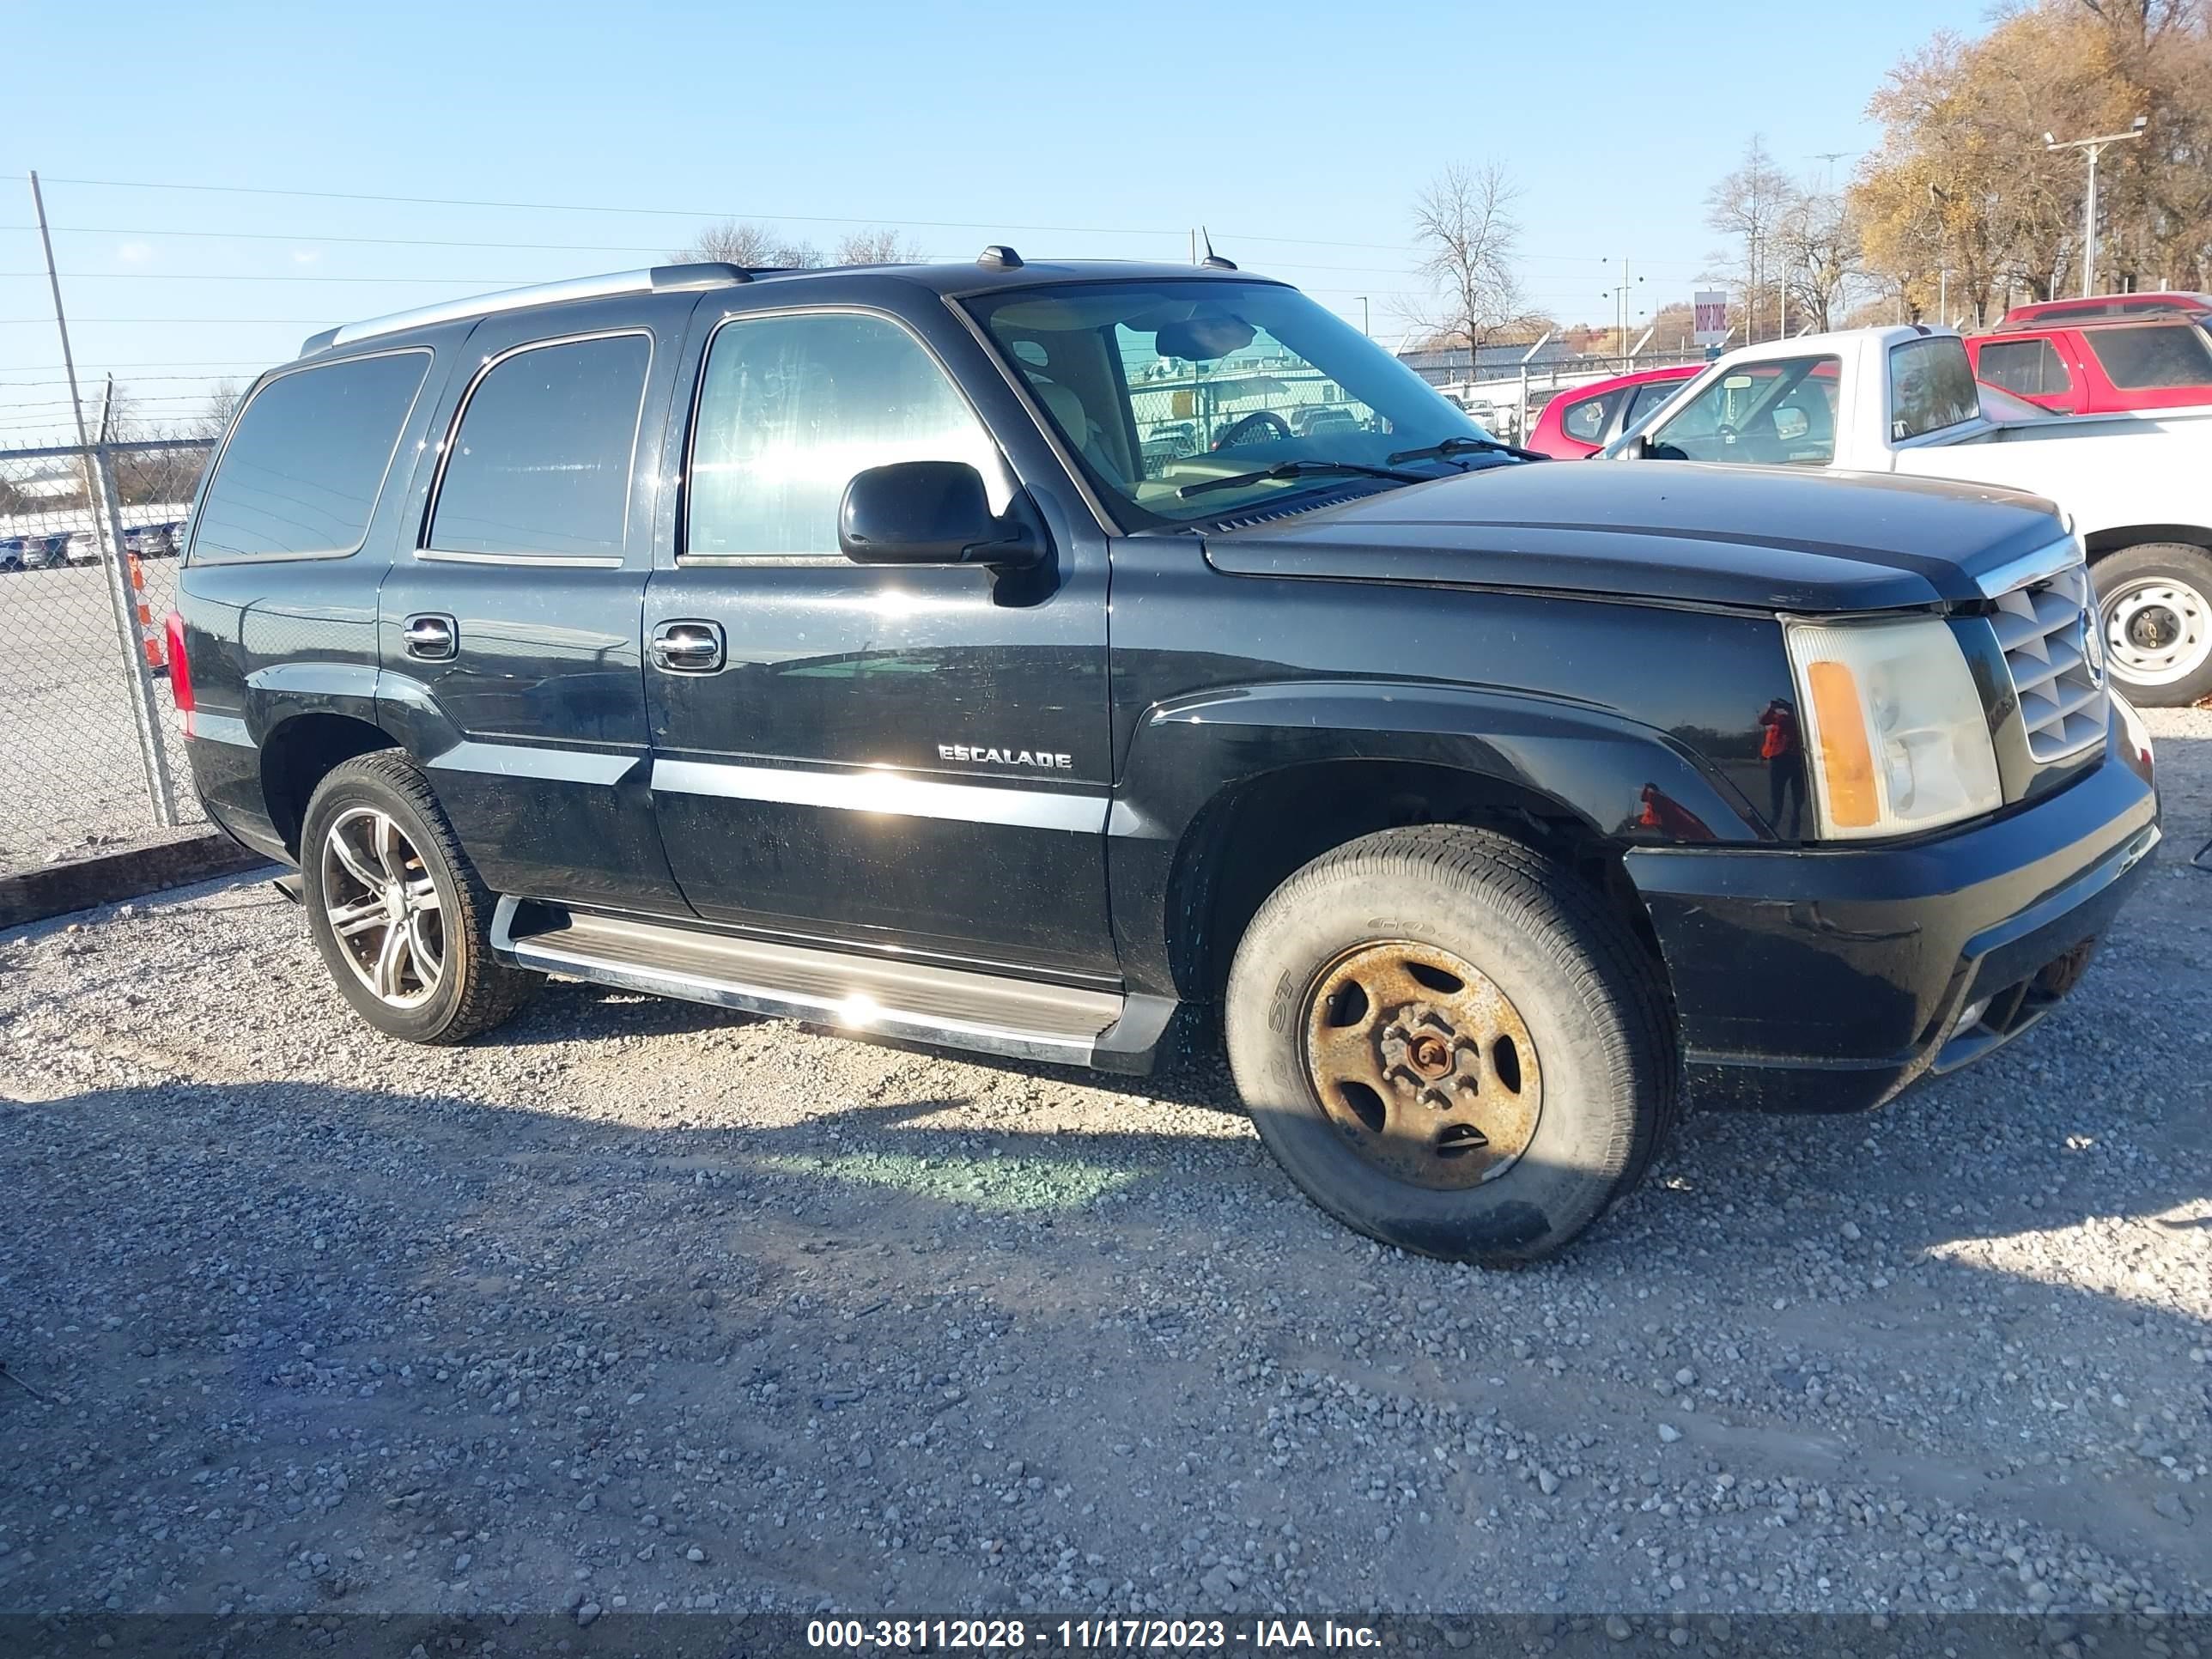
92,758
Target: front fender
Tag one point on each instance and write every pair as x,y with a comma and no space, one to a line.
1621,781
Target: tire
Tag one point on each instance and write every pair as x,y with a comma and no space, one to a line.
443,985
1410,911
2154,616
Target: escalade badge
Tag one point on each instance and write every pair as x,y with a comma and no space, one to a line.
977,755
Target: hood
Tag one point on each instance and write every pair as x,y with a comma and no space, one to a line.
1663,530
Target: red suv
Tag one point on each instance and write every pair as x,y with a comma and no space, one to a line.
1584,419
2153,362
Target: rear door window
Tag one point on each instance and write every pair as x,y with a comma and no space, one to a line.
305,464
2167,354
2028,368
539,467
1931,386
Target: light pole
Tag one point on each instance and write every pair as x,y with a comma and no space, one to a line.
2092,148
1362,315
1619,296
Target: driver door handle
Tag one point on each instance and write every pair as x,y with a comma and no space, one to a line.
687,648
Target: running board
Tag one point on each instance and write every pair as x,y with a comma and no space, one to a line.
863,995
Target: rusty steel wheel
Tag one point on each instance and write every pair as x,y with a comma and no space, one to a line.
1423,1064
1451,1041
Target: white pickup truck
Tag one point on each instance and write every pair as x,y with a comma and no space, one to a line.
2137,486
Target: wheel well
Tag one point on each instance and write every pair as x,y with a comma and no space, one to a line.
299,754
1248,842
2099,542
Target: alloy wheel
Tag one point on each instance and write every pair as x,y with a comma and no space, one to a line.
383,906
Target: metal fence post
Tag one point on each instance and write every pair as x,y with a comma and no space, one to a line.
107,529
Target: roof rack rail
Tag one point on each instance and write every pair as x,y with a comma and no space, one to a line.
656,279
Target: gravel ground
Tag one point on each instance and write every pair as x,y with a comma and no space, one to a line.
643,1305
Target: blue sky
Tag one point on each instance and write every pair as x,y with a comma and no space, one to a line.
1297,133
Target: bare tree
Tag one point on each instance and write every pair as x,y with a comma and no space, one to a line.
1818,240
884,247
1749,207
750,246
214,418
1464,226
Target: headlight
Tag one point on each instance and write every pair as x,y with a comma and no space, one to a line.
1894,733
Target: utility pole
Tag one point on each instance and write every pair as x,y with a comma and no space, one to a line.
2092,148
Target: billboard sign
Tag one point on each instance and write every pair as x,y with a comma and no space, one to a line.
1712,306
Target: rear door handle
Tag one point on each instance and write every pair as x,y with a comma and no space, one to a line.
687,648
430,637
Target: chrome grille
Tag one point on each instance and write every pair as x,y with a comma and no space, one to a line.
2048,630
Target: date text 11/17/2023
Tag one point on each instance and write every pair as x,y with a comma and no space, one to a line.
1087,1635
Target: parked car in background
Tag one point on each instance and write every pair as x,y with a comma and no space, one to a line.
2198,306
12,550
150,541
1581,420
1319,420
47,552
2137,486
2101,368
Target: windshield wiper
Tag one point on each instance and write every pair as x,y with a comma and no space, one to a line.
1468,447
1300,469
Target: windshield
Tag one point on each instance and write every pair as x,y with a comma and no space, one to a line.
1158,387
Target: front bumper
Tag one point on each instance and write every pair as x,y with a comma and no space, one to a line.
1827,980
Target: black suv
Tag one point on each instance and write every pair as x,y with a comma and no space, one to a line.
831,645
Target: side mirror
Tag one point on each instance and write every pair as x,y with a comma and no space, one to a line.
929,513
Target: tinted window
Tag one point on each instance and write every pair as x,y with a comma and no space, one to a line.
2172,354
1931,385
792,407
541,463
301,472
2030,367
1584,421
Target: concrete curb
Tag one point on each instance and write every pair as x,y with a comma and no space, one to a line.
83,884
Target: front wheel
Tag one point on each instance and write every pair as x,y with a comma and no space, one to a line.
2154,616
399,913
1451,1044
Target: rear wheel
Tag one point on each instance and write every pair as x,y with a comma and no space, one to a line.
401,919
1450,1044
2154,616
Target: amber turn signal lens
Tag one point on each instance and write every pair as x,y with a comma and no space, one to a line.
1846,758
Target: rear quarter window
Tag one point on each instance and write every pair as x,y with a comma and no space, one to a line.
2170,354
299,475
1931,386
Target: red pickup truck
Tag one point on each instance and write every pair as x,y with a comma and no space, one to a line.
2099,367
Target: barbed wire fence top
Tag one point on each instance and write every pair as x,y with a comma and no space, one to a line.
93,756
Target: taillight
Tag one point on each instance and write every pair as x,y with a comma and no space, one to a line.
180,667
